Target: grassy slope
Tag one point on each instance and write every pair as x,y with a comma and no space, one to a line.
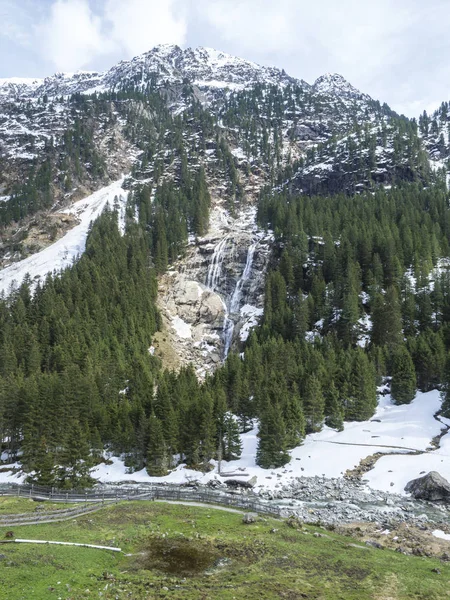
288,563
10,505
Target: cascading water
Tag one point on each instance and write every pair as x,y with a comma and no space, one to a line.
215,267
213,280
233,308
237,294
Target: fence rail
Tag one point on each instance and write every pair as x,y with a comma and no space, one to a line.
96,499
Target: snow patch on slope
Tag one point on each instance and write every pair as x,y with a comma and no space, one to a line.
64,252
399,470
183,329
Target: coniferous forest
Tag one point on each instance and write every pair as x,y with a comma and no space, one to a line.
76,374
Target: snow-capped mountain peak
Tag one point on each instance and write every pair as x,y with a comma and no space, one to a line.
336,84
164,65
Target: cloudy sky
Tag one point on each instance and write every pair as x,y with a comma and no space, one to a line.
395,50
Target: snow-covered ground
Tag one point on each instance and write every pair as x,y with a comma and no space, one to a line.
250,316
62,253
441,535
330,453
401,469
393,429
182,329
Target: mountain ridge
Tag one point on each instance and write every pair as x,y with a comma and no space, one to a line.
166,60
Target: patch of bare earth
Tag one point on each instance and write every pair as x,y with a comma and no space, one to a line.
404,538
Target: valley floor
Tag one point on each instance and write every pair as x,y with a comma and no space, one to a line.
404,433
191,552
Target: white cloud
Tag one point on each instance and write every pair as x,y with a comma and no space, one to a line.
394,50
139,25
71,36
16,21
254,24
330,34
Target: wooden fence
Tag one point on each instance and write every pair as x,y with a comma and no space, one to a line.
96,499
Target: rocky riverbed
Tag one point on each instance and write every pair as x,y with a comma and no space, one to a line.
338,501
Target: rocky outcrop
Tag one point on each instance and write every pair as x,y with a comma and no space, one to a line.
193,317
213,296
432,487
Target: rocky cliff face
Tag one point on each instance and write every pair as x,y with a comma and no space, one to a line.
212,298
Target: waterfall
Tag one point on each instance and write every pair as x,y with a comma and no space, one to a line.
213,280
237,294
215,267
233,308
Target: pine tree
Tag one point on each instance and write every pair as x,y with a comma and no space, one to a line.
45,471
403,383
387,319
333,408
75,461
313,404
207,428
271,450
362,393
232,445
157,458
294,420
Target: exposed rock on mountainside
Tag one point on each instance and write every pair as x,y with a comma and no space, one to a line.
212,298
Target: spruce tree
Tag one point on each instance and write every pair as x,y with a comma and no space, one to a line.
333,408
75,459
271,450
387,319
294,420
313,404
403,383
157,458
232,445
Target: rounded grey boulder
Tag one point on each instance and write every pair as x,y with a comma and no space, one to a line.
432,487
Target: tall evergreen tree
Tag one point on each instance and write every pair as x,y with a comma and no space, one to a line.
313,404
403,383
271,450
157,458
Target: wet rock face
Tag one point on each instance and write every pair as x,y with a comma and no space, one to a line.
432,487
217,290
193,317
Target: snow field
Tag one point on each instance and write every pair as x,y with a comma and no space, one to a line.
63,252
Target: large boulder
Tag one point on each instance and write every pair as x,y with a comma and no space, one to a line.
239,483
432,487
